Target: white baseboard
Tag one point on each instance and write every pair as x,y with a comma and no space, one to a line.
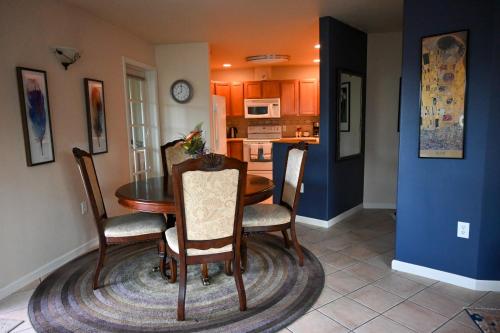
330,222
379,205
457,280
47,268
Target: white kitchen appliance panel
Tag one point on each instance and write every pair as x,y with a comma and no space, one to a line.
262,108
218,142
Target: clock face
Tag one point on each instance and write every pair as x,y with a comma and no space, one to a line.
181,91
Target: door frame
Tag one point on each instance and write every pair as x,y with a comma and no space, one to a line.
151,74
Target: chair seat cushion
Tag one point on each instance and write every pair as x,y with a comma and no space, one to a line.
134,225
262,215
173,243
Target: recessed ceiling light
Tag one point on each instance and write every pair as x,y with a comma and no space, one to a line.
268,58
317,46
226,65
316,60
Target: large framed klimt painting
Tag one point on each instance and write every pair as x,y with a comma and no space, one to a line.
96,116
35,116
442,95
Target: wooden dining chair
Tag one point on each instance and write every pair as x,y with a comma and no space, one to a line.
279,217
172,153
209,193
128,228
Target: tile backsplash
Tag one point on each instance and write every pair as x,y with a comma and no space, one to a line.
288,124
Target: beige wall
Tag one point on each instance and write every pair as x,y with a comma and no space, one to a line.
382,138
275,73
40,216
191,62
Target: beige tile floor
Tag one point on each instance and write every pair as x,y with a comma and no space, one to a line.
362,294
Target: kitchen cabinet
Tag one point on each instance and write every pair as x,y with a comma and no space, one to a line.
224,89
308,98
235,149
289,97
270,89
253,89
237,99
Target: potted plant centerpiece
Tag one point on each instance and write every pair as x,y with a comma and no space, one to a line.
194,143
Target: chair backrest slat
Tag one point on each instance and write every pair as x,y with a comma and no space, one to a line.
209,193
91,184
172,153
294,171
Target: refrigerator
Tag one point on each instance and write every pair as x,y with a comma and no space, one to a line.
218,142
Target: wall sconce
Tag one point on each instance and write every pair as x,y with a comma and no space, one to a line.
66,55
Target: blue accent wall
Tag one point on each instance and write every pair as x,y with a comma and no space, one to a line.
433,194
331,187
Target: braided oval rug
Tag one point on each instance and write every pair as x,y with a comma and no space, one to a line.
133,298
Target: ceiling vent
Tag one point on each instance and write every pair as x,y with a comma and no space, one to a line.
268,58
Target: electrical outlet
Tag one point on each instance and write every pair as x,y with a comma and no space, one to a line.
463,229
83,207
302,188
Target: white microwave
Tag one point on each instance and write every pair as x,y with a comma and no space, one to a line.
262,108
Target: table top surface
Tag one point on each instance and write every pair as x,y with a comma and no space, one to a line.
158,191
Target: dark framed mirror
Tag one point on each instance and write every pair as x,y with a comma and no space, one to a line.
350,114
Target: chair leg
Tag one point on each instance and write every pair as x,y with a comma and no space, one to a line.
205,279
100,263
285,238
244,258
181,300
296,245
173,270
227,268
239,283
162,252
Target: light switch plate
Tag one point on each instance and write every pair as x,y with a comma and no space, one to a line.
463,229
302,188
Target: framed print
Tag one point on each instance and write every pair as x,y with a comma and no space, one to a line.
345,107
96,116
442,95
35,116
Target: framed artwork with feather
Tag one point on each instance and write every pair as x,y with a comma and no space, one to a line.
35,116
96,116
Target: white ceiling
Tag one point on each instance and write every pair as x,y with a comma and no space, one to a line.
239,28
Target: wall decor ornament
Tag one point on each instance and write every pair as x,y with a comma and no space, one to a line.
442,95
96,116
35,116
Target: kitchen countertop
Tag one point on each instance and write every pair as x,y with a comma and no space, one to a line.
309,139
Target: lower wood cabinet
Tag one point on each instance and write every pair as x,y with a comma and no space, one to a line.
235,149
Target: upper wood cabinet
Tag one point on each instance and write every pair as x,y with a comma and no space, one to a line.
237,99
224,89
289,97
253,89
270,89
308,98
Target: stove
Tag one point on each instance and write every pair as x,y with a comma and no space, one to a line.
258,150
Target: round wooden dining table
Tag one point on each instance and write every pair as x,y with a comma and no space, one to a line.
155,195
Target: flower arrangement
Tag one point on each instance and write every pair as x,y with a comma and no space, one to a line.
194,144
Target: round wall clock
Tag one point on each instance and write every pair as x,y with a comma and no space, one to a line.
181,91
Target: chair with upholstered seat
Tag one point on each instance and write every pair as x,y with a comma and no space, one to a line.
129,228
209,193
280,217
172,153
